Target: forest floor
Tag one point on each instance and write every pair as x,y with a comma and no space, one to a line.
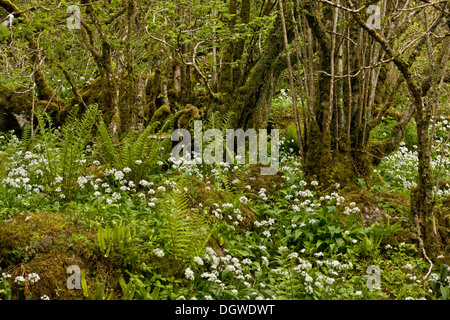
224,232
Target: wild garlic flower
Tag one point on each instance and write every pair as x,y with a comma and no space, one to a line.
189,274
19,279
198,261
158,252
33,277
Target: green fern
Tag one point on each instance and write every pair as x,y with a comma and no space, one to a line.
185,232
240,174
201,231
63,151
176,229
47,138
98,294
138,151
224,181
116,237
106,148
26,135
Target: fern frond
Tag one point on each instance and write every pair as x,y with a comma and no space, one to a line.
26,134
125,152
105,145
176,229
241,174
201,232
140,148
186,231
225,121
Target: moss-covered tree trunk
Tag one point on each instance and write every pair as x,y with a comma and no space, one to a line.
322,162
249,87
45,92
422,198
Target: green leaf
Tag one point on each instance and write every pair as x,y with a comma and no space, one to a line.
444,292
86,291
155,293
4,32
99,292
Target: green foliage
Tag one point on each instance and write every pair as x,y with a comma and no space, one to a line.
64,152
4,32
224,241
117,237
282,102
368,246
5,289
135,289
185,232
291,143
9,146
410,136
99,292
440,284
383,130
138,151
26,134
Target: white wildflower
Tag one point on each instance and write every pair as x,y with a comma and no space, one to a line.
158,252
189,274
198,261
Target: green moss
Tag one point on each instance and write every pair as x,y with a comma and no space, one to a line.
14,105
421,208
184,116
47,243
343,172
45,92
320,164
364,162
318,156
151,109
443,216
162,114
291,139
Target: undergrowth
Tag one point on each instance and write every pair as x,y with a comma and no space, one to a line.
183,230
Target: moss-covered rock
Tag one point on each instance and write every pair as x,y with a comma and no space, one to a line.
16,109
162,114
47,244
183,117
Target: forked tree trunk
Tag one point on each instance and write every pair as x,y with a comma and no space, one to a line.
251,102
